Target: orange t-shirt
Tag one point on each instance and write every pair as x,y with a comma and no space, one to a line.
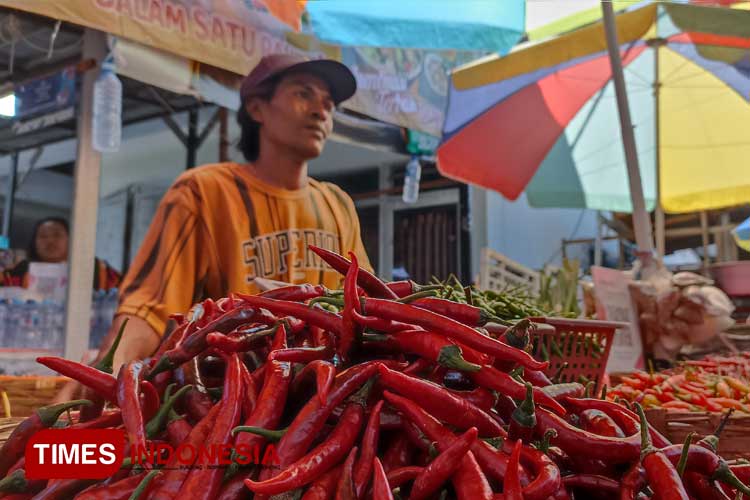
218,227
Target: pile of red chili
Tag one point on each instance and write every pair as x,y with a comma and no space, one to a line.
376,391
714,384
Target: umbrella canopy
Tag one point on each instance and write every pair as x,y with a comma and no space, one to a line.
482,25
544,118
742,234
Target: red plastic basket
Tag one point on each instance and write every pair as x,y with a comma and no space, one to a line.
583,343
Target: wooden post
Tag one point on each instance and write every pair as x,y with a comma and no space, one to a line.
704,237
85,203
10,196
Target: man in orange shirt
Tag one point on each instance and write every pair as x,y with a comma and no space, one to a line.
221,226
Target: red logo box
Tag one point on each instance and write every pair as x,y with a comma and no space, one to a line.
74,453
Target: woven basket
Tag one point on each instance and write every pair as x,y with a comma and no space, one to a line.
7,425
27,393
676,425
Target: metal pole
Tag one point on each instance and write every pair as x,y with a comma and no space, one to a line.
10,194
641,220
659,218
192,138
85,202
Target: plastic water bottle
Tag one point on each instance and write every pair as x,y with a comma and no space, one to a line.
107,115
411,181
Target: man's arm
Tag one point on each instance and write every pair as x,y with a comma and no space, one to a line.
139,341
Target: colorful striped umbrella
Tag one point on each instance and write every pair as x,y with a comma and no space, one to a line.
544,117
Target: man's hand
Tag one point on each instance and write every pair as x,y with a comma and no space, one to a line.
139,341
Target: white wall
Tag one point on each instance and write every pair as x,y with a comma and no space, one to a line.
533,236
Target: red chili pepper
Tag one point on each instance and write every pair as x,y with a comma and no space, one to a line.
560,392
250,391
204,483
403,475
240,340
492,378
310,420
301,354
324,372
626,419
128,389
700,486
661,474
443,466
234,488
104,384
319,460
346,489
403,288
505,406
523,419
324,487
632,482
577,441
398,454
314,316
538,379
464,313
598,422
418,366
591,482
63,489
295,293
363,469
194,344
106,419
150,400
119,490
167,486
437,349
198,403
706,462
512,485
271,401
368,281
350,329
546,473
382,325
441,403
178,429
469,481
381,489
479,396
450,328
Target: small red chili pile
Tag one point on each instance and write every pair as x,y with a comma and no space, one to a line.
714,384
378,391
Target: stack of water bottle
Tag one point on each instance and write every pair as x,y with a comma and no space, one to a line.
37,325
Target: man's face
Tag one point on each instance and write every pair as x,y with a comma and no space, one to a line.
299,116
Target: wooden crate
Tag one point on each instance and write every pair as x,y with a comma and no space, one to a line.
27,393
675,425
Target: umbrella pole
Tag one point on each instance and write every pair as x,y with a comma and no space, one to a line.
659,219
641,220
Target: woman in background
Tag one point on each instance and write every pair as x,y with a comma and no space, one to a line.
49,243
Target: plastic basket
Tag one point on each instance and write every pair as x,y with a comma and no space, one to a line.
584,344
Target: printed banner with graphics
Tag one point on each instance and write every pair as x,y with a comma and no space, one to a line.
405,87
229,34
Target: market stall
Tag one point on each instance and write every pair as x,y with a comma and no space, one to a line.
400,389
